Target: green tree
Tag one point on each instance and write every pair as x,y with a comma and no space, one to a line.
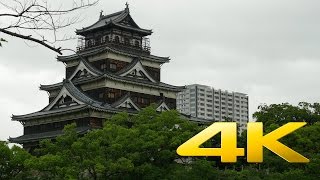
283,113
144,146
140,146
12,162
304,140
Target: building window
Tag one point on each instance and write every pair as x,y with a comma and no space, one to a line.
111,95
90,42
126,41
142,100
136,43
117,39
113,66
103,66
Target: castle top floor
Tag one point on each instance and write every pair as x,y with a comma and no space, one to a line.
116,29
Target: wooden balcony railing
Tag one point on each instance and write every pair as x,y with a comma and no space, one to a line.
143,47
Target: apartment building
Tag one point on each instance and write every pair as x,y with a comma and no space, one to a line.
214,104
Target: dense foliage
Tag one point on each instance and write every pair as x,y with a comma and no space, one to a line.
144,147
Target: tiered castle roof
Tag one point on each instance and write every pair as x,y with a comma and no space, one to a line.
70,100
121,19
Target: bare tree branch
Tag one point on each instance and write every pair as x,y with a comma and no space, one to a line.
32,20
42,42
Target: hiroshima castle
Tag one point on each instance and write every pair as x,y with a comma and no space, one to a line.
112,71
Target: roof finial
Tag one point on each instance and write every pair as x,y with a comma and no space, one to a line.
127,6
101,14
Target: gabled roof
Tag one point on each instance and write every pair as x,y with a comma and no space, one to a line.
45,135
159,85
84,65
42,113
129,80
69,89
136,68
105,48
126,102
80,101
120,19
162,106
119,76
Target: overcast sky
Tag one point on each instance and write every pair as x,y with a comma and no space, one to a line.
266,49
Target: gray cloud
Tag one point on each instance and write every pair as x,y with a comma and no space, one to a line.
267,49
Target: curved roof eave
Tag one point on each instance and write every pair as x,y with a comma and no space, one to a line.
90,52
113,19
159,85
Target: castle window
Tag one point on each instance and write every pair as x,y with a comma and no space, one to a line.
104,39
103,66
89,44
145,101
126,41
113,66
111,95
142,100
135,99
117,39
136,43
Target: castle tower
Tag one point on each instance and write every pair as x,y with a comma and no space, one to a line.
112,71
